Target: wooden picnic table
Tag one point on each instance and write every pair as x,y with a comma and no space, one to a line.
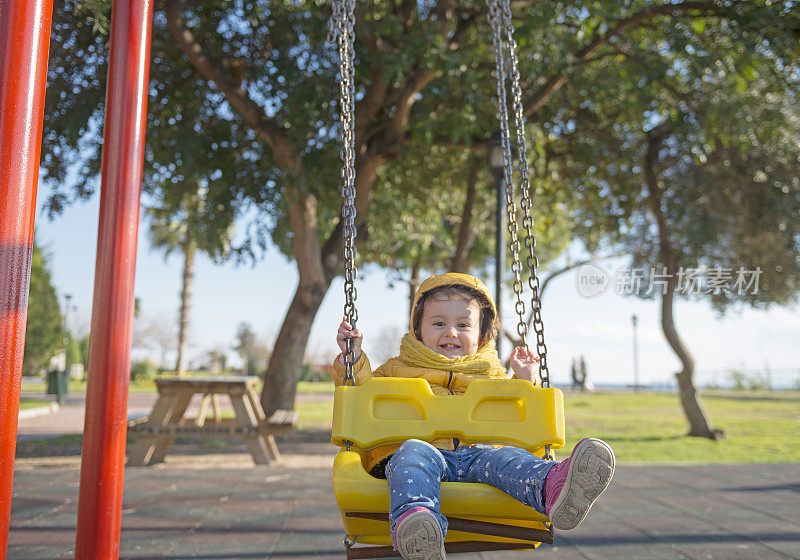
156,433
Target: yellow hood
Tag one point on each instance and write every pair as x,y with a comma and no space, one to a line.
448,279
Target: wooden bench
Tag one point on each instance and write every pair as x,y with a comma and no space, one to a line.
156,433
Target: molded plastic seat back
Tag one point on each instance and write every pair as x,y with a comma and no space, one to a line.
385,410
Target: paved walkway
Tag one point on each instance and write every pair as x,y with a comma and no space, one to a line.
222,507
69,419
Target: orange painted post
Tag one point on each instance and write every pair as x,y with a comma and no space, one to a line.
24,44
105,429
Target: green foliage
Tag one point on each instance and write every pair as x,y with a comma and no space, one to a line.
144,371
193,142
311,375
43,330
719,79
740,381
83,344
419,209
74,352
277,51
186,220
189,221
252,350
722,95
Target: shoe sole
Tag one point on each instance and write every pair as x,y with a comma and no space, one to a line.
589,474
419,537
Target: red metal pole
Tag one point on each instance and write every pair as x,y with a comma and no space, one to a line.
105,430
24,43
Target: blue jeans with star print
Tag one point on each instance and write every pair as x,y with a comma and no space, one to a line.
416,469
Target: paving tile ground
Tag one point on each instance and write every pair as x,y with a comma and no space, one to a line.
222,507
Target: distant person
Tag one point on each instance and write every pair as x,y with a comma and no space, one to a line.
451,343
578,370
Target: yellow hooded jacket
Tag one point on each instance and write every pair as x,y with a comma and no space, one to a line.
446,376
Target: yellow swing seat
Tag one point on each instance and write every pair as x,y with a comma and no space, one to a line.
387,410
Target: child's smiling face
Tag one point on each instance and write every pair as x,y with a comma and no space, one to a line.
450,326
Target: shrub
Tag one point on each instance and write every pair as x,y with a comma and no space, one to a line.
143,372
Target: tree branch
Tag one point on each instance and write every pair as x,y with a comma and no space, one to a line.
553,275
286,153
654,139
368,106
584,54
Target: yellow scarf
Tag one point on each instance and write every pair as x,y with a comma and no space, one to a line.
415,353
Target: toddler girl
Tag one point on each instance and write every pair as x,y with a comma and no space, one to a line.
451,342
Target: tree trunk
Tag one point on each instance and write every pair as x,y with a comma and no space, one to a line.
318,266
285,364
466,234
699,426
690,398
413,285
189,249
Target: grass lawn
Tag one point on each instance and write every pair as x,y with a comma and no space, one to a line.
759,427
80,387
315,387
32,403
314,414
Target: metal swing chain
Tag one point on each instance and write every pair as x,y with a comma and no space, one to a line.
527,220
495,23
341,31
503,38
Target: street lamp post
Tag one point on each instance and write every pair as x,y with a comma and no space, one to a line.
67,305
635,321
67,302
497,168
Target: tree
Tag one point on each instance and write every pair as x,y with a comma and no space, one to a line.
74,355
217,361
246,346
433,212
150,332
184,225
697,171
43,331
262,72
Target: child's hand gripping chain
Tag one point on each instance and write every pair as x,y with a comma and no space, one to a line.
346,331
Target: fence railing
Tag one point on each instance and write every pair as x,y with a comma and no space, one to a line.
731,379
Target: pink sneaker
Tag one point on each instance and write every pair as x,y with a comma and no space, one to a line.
573,485
418,535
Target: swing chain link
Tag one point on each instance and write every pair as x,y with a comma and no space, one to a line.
341,31
495,22
501,10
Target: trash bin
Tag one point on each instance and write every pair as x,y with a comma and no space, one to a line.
57,384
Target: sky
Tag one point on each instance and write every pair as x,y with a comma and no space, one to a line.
597,326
